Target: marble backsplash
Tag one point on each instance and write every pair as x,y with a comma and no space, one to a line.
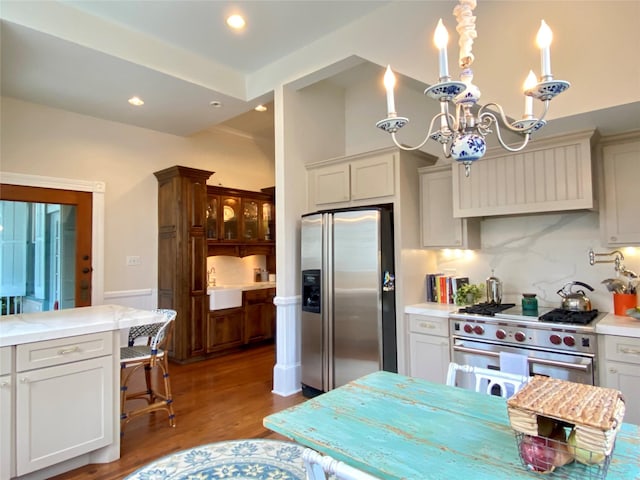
539,254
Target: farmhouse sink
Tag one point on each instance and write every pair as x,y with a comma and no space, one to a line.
224,297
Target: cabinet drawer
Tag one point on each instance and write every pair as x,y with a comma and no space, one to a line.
623,349
63,350
438,326
5,360
264,295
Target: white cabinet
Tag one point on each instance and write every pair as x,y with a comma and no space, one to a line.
363,179
440,229
6,413
621,370
549,175
64,399
429,347
621,168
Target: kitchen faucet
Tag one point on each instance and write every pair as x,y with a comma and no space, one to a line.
211,277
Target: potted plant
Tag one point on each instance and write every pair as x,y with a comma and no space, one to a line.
469,294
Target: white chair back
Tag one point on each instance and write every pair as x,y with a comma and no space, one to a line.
486,379
324,467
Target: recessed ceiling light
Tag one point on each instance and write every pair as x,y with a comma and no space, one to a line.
236,22
260,108
215,104
136,101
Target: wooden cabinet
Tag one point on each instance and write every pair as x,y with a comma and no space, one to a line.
429,347
259,315
621,169
357,180
64,399
549,175
182,256
254,322
225,329
6,413
621,370
239,222
440,229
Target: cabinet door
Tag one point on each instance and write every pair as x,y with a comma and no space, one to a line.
250,220
259,314
626,378
429,357
331,184
212,223
621,174
63,412
231,218
373,177
6,421
225,329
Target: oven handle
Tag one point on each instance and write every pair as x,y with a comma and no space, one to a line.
540,361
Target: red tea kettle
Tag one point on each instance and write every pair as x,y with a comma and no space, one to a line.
576,301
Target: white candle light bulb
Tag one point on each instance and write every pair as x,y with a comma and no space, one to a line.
543,39
529,83
389,83
441,39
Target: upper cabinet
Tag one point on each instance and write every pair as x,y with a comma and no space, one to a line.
239,222
359,180
621,168
553,174
440,229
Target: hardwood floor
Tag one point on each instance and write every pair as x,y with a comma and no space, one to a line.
214,400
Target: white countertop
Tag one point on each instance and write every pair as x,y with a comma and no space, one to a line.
619,325
432,309
38,326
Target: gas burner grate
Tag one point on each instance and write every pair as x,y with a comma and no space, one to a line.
559,315
486,308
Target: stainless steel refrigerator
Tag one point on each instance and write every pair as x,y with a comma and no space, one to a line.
348,296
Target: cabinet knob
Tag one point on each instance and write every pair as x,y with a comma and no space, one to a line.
613,370
67,351
5,384
613,239
24,380
427,325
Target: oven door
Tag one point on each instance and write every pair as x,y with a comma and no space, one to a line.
564,366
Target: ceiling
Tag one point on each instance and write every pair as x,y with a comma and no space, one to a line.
90,56
65,67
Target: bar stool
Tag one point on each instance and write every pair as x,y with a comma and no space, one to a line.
153,358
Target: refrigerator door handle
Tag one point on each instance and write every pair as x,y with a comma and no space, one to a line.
329,307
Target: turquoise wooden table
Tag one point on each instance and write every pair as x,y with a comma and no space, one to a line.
397,427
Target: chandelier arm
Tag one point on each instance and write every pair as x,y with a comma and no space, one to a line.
527,136
410,149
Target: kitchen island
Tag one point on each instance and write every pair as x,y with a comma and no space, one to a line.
60,388
397,427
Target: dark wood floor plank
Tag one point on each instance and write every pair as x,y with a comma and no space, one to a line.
220,399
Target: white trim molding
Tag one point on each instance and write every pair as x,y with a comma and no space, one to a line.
98,189
286,373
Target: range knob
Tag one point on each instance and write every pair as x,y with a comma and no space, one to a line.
501,334
468,328
569,341
520,337
555,339
478,329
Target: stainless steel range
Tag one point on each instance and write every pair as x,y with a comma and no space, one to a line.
558,343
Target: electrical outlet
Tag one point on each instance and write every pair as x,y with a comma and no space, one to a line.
133,260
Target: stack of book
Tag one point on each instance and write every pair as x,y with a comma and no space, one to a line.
442,288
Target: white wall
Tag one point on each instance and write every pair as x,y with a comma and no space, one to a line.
38,140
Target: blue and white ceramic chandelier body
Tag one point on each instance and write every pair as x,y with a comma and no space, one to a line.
462,133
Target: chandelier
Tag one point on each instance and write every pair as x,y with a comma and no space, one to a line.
463,135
